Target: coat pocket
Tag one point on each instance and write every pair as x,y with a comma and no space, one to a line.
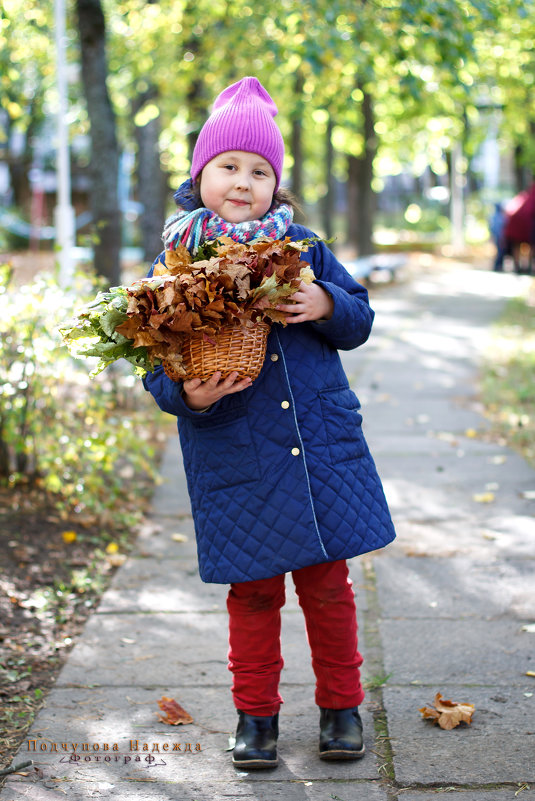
343,424
223,453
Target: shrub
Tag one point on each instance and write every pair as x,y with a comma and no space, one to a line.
87,443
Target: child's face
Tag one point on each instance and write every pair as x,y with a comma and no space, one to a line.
238,186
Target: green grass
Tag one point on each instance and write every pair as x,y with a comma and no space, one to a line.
508,381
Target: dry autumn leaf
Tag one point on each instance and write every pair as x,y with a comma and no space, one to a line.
448,714
174,713
483,497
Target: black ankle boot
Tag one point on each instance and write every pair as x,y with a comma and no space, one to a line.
256,741
341,734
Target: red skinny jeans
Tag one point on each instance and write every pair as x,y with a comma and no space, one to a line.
327,599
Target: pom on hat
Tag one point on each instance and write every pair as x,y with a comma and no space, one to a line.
242,119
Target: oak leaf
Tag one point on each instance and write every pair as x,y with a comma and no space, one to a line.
448,714
174,713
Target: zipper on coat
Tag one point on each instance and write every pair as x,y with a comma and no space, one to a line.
302,448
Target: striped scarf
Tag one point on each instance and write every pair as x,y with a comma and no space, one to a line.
192,226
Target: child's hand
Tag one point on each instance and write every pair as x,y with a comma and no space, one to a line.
311,303
200,395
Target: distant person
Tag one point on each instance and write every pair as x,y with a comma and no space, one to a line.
497,230
279,474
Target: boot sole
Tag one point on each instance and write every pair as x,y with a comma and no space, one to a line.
255,764
340,755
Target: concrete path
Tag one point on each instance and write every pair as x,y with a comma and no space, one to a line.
444,609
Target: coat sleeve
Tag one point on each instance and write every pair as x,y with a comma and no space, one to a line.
352,318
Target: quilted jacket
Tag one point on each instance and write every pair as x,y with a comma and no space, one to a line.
279,475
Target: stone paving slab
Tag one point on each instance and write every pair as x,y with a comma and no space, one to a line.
167,584
455,588
195,789
484,535
128,718
516,792
128,649
476,652
399,414
154,649
171,493
510,487
498,747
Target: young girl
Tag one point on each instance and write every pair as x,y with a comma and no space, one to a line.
279,474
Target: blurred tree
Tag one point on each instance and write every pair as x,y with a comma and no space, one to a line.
104,145
365,90
26,73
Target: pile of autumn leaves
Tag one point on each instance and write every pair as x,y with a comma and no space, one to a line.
229,284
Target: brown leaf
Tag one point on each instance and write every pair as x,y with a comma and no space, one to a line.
448,714
178,260
174,713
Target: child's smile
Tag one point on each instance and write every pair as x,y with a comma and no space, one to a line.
238,186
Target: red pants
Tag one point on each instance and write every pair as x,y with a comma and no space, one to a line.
326,597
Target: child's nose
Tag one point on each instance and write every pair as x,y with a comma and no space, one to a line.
242,180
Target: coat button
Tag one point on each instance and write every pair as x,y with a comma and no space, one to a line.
274,357
295,451
285,405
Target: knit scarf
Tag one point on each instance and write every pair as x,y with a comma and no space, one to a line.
190,225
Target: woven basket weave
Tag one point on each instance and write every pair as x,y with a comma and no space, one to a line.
236,349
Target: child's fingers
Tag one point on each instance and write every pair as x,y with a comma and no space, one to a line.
192,384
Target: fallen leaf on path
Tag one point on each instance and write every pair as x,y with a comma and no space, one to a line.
116,559
174,713
529,495
179,537
530,673
448,714
529,627
483,497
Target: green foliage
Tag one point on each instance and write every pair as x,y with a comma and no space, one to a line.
508,384
80,441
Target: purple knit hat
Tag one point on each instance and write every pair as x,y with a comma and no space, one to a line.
242,119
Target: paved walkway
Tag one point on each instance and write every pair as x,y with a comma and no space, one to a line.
443,609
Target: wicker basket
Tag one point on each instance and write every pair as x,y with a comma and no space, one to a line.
236,349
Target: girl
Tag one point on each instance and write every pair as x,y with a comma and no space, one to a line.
279,474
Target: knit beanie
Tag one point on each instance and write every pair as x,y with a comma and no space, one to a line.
242,119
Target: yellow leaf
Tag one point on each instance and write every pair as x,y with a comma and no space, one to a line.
116,559
471,433
483,497
112,547
179,537
69,536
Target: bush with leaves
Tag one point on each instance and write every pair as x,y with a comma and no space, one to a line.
89,444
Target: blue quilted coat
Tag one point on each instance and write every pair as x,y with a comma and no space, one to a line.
279,475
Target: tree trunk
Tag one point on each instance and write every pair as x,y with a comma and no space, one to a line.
328,202
296,146
360,195
104,147
151,179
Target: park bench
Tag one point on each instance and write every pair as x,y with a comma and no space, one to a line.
385,263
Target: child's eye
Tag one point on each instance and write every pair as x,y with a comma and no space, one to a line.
229,166
260,172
